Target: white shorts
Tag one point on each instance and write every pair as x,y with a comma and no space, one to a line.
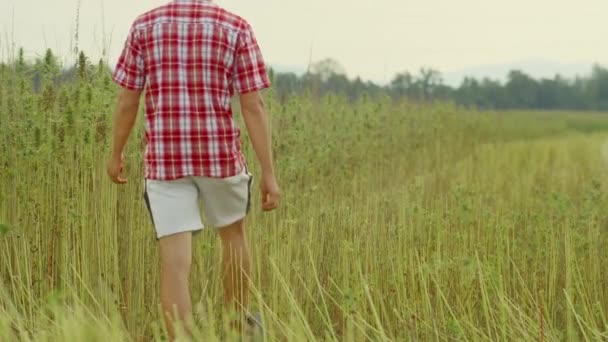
174,205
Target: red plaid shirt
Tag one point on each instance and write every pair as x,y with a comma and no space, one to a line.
190,57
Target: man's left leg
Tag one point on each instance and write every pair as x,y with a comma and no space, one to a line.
176,261
175,213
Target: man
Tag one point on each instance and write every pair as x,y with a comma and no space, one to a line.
190,57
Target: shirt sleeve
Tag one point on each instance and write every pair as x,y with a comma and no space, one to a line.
250,69
129,72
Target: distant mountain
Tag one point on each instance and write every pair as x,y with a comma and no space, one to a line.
537,68
285,68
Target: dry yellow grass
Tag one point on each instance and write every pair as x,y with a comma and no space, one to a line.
400,222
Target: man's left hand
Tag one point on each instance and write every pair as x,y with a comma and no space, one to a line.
115,168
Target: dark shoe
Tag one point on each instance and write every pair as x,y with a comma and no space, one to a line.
255,328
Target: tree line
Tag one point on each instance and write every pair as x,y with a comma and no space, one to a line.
519,91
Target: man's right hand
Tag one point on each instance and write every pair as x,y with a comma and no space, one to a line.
271,194
256,120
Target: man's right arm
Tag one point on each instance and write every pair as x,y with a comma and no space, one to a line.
256,121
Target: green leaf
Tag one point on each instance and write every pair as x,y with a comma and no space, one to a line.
4,229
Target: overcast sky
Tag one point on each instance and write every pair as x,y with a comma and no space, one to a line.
373,39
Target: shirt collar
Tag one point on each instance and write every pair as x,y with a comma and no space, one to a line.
191,1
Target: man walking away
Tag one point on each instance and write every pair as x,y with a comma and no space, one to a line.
189,58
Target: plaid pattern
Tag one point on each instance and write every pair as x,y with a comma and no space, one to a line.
190,57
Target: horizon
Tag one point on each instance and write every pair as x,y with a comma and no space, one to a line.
536,68
494,72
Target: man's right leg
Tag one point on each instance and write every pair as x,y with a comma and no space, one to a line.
176,261
227,203
236,266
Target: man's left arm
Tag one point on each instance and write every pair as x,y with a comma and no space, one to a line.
124,120
130,76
